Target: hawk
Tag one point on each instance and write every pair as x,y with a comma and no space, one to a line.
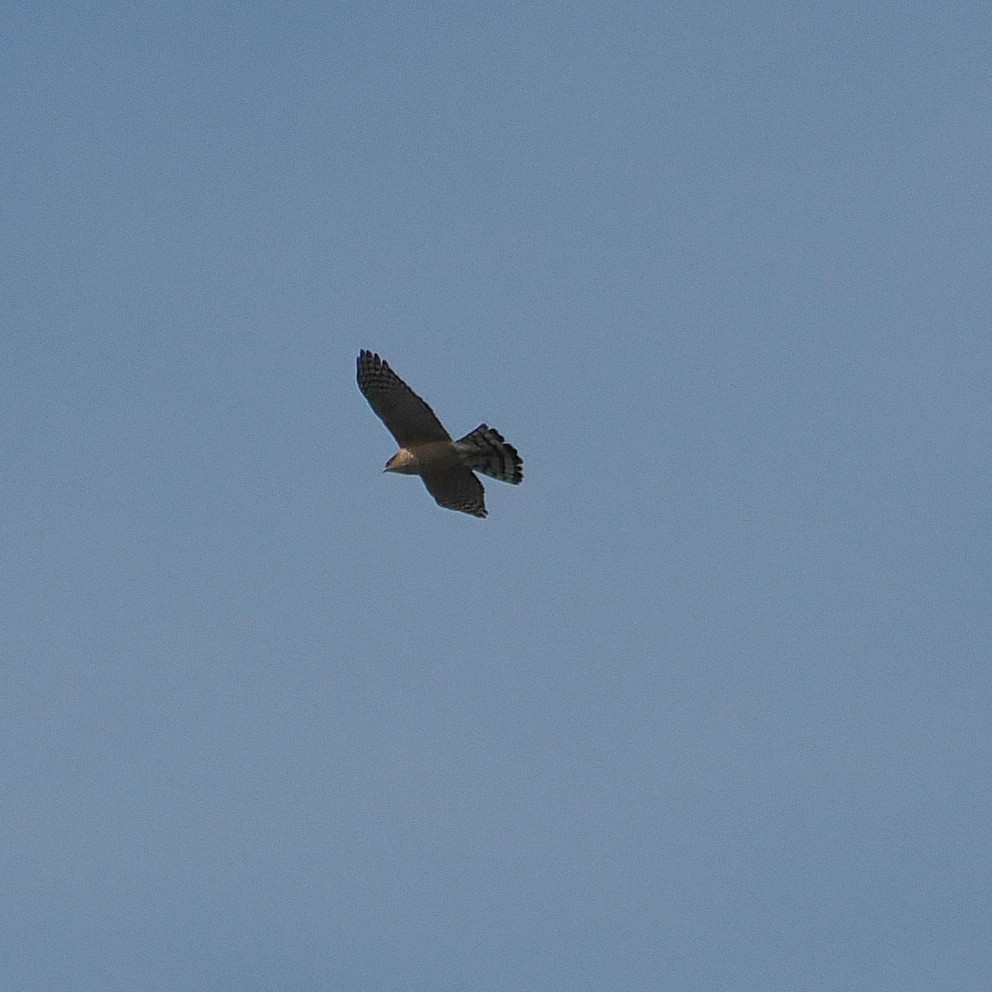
447,467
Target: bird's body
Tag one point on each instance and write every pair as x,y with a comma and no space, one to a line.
433,456
427,449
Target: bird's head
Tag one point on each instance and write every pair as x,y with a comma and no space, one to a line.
403,461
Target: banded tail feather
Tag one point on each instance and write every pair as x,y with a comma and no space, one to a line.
486,450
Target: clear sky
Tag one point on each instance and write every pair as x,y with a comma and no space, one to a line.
704,704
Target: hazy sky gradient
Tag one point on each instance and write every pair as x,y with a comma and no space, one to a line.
704,704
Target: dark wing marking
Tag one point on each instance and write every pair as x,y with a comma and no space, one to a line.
457,489
406,416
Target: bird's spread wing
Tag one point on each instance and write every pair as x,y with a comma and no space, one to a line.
457,489
406,416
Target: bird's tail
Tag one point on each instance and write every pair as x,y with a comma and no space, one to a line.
486,450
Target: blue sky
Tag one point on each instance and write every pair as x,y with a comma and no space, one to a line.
703,704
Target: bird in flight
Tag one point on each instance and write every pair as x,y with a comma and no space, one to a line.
447,467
